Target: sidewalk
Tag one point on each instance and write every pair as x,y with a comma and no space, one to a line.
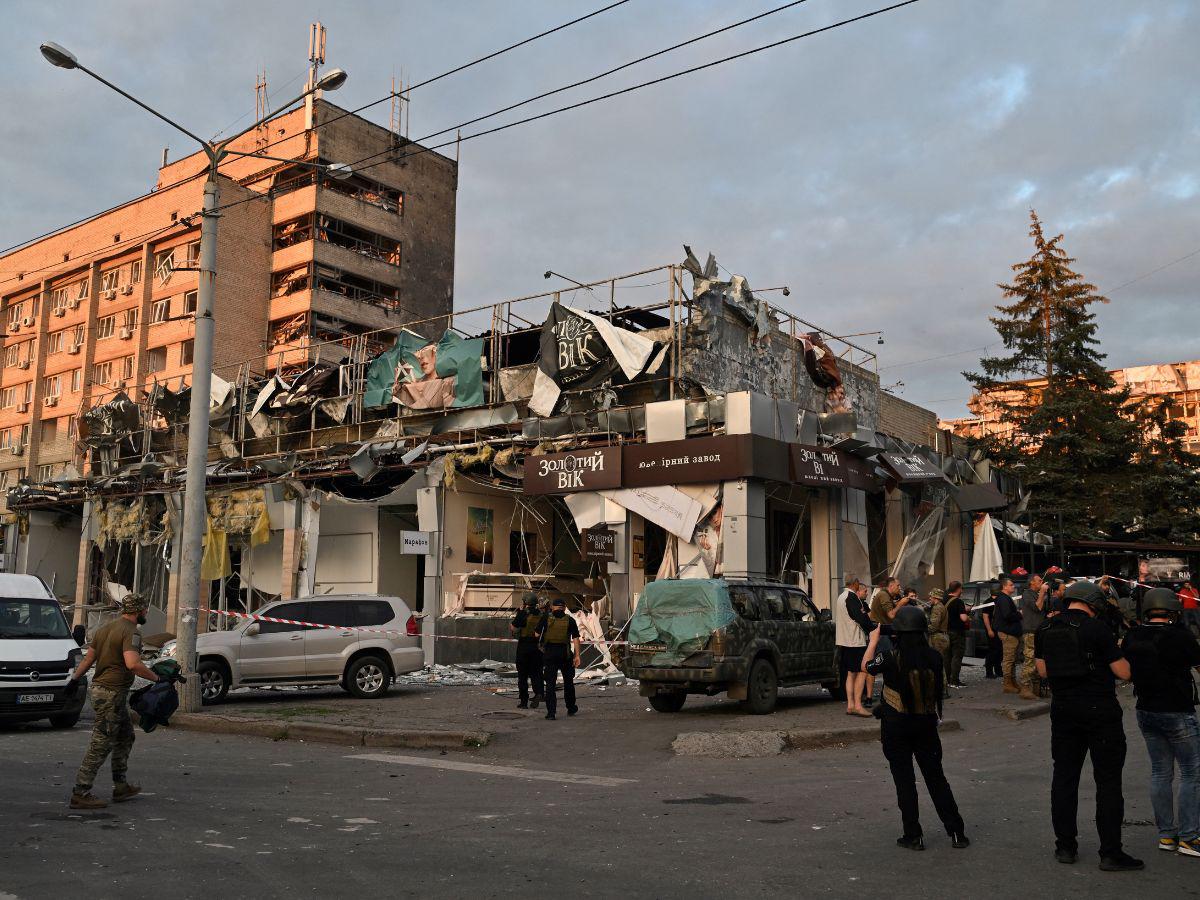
613,719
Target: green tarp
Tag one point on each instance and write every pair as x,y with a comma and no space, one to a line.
455,356
682,614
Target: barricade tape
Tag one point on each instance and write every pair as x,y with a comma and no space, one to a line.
437,637
1137,583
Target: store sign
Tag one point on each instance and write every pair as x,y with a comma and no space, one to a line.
704,460
414,542
599,544
578,470
910,467
825,467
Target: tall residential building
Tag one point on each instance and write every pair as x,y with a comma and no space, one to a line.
307,265
1177,384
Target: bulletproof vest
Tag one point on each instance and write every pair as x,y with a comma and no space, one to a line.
1151,678
558,630
529,629
1062,650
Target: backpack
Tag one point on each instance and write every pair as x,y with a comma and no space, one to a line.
1062,650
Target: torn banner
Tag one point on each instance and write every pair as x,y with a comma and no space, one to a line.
580,350
420,374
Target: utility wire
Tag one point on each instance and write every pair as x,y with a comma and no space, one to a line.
460,68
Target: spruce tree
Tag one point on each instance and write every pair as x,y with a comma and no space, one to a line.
1064,430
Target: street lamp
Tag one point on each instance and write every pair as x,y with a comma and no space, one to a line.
195,509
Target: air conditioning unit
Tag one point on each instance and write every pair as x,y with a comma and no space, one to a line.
22,407
59,311
127,289
14,326
73,349
108,295
73,303
27,321
119,383
22,364
126,333
17,449
52,401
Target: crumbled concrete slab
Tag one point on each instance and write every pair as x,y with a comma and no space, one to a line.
1030,709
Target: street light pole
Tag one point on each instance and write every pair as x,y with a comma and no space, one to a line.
195,501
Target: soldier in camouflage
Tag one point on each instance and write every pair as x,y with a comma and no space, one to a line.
939,631
116,652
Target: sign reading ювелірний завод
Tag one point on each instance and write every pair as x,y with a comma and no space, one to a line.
597,469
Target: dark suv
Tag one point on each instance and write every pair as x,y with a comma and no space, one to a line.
766,636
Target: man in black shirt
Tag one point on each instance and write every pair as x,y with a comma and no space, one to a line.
524,627
1162,654
559,636
1006,621
1080,657
959,622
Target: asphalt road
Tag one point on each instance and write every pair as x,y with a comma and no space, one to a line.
231,816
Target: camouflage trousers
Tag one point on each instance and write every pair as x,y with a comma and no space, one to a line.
112,733
1029,673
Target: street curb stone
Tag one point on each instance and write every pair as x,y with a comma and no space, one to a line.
325,733
748,744
1021,713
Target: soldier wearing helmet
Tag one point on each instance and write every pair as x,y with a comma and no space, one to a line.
524,627
116,651
1162,654
913,688
1079,656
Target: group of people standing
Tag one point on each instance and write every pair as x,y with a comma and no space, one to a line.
1077,647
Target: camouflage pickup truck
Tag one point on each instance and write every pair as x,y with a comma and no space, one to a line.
706,636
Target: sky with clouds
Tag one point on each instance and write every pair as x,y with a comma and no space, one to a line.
884,170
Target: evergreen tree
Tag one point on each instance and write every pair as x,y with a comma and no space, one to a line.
1066,433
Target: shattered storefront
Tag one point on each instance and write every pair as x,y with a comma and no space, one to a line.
570,451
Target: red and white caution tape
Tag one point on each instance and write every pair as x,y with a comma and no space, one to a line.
442,637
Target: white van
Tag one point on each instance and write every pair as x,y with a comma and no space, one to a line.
38,652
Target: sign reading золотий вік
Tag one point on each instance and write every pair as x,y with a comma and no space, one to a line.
599,544
598,469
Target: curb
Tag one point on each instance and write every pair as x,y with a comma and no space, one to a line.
749,744
324,733
1021,713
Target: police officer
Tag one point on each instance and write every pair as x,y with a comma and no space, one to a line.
913,684
529,655
1162,654
1080,657
559,636
116,651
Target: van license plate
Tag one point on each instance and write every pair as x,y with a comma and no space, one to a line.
35,698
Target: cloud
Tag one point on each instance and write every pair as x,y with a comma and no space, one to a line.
883,171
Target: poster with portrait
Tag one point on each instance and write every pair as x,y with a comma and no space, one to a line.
481,543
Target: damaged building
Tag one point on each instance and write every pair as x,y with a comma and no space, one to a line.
661,424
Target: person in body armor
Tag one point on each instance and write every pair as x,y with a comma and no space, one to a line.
1079,656
559,636
913,684
529,655
1162,654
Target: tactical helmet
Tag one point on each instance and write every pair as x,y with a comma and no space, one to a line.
1163,599
530,599
937,594
559,601
132,604
1085,592
910,619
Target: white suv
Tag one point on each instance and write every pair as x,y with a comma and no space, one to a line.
256,654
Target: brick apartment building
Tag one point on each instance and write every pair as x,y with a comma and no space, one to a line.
1177,384
105,306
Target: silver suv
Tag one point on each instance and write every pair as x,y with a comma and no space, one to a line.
256,654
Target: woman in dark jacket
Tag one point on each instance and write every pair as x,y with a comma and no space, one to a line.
909,714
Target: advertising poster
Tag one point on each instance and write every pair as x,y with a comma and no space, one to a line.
481,543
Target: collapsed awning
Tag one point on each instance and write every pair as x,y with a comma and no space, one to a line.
980,498
910,468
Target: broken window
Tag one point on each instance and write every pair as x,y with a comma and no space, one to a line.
109,281
190,300
193,255
77,337
366,290
285,283
156,359
160,311
135,272
186,349
164,265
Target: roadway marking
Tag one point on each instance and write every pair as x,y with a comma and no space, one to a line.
483,769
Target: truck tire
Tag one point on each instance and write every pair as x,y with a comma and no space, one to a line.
762,688
669,702
214,681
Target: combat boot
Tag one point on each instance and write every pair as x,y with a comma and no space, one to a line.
123,791
1027,692
1010,686
86,800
